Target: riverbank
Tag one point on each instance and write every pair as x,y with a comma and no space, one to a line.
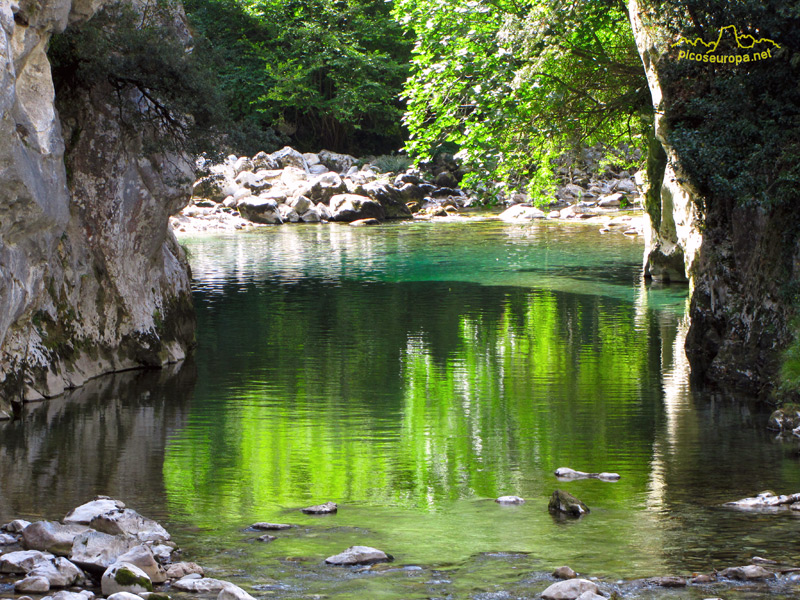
288,187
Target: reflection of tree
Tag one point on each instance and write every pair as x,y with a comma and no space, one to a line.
411,393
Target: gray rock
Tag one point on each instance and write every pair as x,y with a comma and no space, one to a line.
588,595
242,164
32,585
568,474
564,573
262,160
16,526
554,214
323,211
22,561
142,557
271,526
667,582
518,212
610,200
364,222
291,177
125,577
569,589
317,170
445,179
203,585
96,551
340,163
351,207
390,198
311,159
67,595
289,157
84,513
182,569
163,552
510,500
784,419
260,210
321,509
59,572
124,596
300,204
233,592
573,190
7,540
765,500
359,555
129,522
747,573
211,187
288,214
324,187
310,216
49,536
266,538
565,503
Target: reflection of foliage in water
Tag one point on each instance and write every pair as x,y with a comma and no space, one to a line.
465,391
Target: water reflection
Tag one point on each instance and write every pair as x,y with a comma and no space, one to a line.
107,437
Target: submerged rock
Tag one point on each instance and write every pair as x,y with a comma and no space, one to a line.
271,526
266,538
667,582
565,503
359,555
765,500
510,500
567,473
569,590
321,509
747,573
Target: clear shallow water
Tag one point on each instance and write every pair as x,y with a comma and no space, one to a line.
412,373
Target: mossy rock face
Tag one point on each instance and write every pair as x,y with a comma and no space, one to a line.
125,577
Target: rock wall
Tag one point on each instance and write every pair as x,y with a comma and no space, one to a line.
741,256
91,280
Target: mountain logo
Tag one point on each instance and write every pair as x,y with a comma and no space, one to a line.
699,50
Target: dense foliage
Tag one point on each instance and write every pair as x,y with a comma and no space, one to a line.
735,128
160,89
515,84
323,73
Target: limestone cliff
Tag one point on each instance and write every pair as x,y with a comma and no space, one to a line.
91,279
723,202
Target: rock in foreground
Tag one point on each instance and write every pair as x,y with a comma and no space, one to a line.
562,502
359,555
569,590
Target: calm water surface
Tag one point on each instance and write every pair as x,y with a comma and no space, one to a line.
412,373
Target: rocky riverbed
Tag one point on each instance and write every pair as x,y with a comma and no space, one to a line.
289,187
105,549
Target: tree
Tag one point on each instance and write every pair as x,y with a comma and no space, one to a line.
515,84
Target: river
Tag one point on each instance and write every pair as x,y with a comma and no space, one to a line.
412,373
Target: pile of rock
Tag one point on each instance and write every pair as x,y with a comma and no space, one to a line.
102,542
289,187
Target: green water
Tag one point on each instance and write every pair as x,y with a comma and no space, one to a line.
412,373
